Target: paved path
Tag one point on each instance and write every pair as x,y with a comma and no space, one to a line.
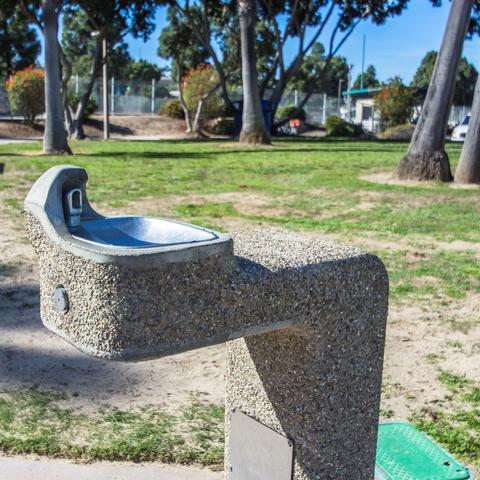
27,469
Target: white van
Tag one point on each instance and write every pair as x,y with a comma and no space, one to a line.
460,131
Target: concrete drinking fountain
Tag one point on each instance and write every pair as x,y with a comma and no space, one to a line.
304,322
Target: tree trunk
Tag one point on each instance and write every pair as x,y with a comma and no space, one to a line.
253,124
468,169
55,136
426,158
77,130
65,75
186,113
196,126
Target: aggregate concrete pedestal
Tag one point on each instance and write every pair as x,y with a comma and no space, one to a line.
304,321
317,382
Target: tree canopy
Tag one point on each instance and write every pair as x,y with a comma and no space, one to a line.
283,27
19,44
370,79
314,71
465,79
176,43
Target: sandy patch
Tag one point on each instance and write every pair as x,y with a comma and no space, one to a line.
416,331
246,203
390,178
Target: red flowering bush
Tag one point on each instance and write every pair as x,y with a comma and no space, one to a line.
197,83
26,93
395,102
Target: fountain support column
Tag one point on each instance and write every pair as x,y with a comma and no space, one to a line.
318,383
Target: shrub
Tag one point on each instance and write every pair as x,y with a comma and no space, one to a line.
288,111
333,121
90,108
396,102
338,127
224,126
198,82
173,109
26,93
399,132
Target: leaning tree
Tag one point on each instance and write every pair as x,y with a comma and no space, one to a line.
253,124
468,169
426,158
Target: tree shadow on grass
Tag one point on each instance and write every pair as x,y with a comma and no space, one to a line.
190,155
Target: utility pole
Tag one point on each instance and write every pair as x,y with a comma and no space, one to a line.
112,95
324,111
152,105
339,98
106,132
349,98
363,62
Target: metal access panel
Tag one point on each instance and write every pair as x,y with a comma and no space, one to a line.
258,452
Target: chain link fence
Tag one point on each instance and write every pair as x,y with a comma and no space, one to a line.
147,97
126,97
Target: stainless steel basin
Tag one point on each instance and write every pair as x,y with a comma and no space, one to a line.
138,232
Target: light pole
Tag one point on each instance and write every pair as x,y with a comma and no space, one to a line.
363,63
349,98
106,130
339,97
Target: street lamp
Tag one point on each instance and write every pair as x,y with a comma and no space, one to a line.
106,129
339,96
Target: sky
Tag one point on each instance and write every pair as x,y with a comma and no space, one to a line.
395,48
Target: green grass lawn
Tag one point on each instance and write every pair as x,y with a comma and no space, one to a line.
301,184
317,182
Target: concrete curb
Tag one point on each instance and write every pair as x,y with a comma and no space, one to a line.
30,469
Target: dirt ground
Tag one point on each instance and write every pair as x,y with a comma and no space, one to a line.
120,126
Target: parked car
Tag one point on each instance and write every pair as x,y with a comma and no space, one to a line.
460,131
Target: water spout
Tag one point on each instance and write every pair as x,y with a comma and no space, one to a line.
74,207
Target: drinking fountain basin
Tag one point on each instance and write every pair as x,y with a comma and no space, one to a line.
58,203
139,232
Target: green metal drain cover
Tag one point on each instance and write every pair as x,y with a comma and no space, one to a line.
404,453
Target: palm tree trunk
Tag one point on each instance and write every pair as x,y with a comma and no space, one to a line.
426,158
468,169
55,136
253,124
